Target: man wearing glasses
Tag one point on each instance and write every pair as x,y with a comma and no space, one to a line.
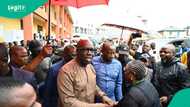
77,80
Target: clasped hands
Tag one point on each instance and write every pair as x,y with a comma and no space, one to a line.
109,102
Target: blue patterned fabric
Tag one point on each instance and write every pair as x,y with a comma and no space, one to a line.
109,77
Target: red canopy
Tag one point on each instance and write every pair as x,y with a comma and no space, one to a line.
79,3
73,3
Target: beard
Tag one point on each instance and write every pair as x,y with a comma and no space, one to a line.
163,60
167,60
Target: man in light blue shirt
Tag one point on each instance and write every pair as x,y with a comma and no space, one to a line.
108,72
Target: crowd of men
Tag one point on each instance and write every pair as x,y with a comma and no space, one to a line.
36,75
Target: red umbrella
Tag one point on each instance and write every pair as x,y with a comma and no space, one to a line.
73,3
79,3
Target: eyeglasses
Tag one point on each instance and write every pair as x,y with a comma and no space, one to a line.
86,49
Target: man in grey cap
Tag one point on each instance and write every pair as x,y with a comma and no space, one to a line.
146,61
124,58
142,92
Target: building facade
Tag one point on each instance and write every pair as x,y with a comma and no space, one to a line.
103,32
37,23
173,32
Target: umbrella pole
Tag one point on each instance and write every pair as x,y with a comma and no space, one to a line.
121,36
49,22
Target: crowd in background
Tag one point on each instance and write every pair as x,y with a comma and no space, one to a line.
81,75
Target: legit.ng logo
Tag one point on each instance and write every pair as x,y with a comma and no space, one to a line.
19,8
16,8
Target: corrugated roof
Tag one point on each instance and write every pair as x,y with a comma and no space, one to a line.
172,28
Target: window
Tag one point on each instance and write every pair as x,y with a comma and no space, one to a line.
39,28
76,29
81,30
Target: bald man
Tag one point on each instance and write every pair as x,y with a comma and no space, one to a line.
170,75
51,94
19,66
76,81
108,72
18,59
16,93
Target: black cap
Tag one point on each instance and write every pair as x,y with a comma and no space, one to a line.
123,49
144,57
35,44
136,35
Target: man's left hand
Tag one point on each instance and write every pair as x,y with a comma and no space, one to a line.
108,101
164,99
